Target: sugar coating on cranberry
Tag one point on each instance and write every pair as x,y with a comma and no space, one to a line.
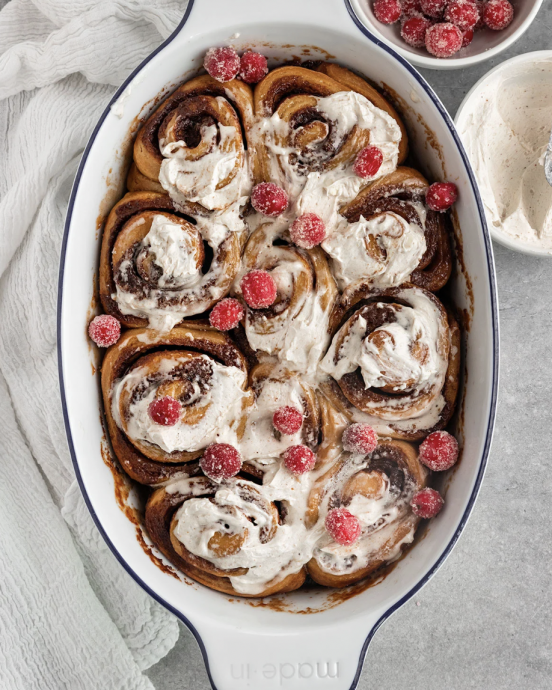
269,199
443,40
299,459
498,14
259,289
387,11
104,330
307,231
226,314
441,195
433,8
220,461
223,64
343,526
359,438
410,7
439,451
368,162
462,13
427,503
165,411
413,31
253,67
287,420
467,38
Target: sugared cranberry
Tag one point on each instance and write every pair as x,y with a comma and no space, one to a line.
368,162
343,526
226,314
497,14
359,438
462,13
104,330
413,31
439,451
299,459
443,40
220,461
165,411
433,8
467,38
427,503
441,195
307,231
253,67
223,64
287,420
258,289
387,11
269,199
480,6
410,7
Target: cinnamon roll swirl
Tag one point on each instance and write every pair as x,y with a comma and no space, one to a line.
394,360
197,366
193,145
160,264
378,490
229,536
294,328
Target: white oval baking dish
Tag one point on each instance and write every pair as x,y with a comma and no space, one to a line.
244,644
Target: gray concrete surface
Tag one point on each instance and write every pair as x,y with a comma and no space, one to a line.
484,621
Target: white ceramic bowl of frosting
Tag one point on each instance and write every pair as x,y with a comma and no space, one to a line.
505,123
485,45
250,643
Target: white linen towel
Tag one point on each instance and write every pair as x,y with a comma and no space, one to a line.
70,616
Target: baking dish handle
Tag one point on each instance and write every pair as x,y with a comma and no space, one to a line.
210,15
318,656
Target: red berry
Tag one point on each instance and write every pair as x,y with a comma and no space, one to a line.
413,31
368,162
480,6
220,461
165,411
226,314
287,420
359,438
343,526
433,8
410,7
443,40
467,38
223,64
104,330
269,199
439,451
427,503
259,289
463,14
441,195
299,459
253,67
498,14
387,11
307,231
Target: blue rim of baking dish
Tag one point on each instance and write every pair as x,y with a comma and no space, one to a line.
495,329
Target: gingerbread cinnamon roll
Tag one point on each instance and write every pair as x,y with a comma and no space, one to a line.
198,367
387,236
294,328
194,144
228,536
160,264
394,360
377,489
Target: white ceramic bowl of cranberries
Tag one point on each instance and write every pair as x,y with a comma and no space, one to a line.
252,644
486,43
